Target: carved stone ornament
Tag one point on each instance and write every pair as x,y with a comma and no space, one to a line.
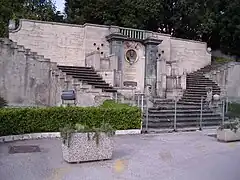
132,45
131,56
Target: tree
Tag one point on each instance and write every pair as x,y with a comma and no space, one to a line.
216,22
43,10
229,28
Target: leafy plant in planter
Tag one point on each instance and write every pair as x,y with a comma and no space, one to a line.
3,102
234,125
68,130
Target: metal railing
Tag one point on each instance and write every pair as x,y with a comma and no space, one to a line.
176,121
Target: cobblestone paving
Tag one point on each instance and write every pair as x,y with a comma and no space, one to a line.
178,156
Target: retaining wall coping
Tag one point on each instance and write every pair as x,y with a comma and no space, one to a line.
50,135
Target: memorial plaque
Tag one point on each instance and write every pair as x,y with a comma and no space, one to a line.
130,83
130,72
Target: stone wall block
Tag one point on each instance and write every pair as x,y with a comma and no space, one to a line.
21,48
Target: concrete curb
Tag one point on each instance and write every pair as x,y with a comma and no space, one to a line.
49,135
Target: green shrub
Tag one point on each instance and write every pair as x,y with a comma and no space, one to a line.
220,60
66,132
233,110
3,102
234,125
31,120
113,104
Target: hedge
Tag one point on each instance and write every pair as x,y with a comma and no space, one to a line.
32,120
3,102
221,60
233,110
113,104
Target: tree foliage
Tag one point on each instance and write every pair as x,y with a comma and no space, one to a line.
29,9
216,22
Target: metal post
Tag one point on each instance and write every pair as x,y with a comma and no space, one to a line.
142,102
201,113
138,100
223,111
226,105
146,115
116,97
175,115
133,98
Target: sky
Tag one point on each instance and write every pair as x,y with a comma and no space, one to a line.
60,5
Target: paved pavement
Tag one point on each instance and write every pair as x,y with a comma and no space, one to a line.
178,156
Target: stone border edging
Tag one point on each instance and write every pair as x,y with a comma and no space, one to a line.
11,138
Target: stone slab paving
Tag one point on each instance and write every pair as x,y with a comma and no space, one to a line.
177,156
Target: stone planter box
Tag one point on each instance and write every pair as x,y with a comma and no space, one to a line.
81,149
227,135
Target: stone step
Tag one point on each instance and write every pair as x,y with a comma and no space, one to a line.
181,115
197,86
172,107
193,97
103,86
189,103
167,130
192,94
206,83
201,81
94,81
69,71
159,120
83,68
87,78
185,99
200,91
203,84
180,105
97,83
182,124
162,100
195,75
83,75
93,90
195,91
179,129
198,77
110,90
165,111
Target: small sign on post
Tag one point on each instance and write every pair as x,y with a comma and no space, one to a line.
68,95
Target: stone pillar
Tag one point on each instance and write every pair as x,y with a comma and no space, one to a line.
113,62
116,48
151,51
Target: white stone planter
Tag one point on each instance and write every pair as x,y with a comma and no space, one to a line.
81,149
228,135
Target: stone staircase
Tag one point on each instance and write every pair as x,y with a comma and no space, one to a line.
161,115
91,85
196,87
88,76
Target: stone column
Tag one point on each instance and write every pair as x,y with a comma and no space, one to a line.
116,48
151,51
161,76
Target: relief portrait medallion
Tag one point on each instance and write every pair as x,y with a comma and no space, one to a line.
131,56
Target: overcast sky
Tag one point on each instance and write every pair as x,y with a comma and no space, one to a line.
60,5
